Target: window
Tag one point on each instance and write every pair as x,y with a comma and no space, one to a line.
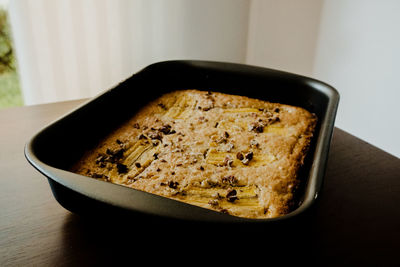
10,91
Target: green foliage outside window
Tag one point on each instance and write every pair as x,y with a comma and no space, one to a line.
10,92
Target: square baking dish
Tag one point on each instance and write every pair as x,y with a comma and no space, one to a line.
57,146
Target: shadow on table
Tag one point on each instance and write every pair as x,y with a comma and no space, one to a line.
90,240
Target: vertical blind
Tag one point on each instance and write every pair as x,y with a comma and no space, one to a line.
68,49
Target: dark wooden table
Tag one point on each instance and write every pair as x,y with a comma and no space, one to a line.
356,220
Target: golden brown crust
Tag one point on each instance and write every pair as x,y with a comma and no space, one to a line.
224,152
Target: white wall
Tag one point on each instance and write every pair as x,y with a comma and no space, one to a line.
358,52
283,34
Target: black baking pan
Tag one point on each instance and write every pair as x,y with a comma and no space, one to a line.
56,147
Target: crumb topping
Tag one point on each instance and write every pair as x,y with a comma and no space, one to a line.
229,153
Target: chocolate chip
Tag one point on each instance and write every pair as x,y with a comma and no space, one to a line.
231,195
155,135
173,185
142,136
247,158
254,143
205,153
155,155
228,161
161,105
165,129
118,141
136,125
155,143
138,165
119,153
114,155
201,168
230,180
273,120
216,125
257,127
122,168
213,202
101,159
222,140
249,155
239,156
276,110
158,169
226,134
133,178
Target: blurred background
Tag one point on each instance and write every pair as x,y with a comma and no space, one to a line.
57,50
